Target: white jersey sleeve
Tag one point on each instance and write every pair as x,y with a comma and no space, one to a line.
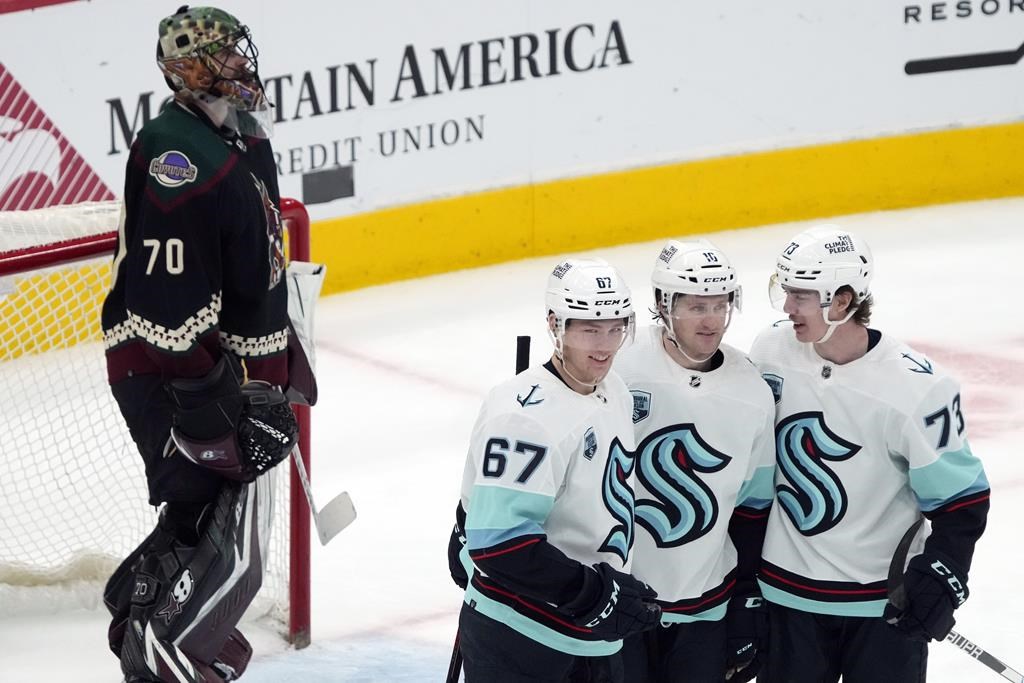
512,475
933,439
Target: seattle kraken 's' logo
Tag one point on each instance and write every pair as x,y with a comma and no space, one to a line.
815,500
618,498
685,508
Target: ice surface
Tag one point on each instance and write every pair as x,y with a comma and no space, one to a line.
403,368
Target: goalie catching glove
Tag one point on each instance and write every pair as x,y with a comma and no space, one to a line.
239,431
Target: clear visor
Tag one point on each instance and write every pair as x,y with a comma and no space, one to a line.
778,293
693,307
257,124
598,335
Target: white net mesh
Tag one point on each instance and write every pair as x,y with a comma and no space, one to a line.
73,500
24,229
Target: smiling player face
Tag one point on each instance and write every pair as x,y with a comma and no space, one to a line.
589,347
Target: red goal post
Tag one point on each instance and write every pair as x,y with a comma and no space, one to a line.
67,458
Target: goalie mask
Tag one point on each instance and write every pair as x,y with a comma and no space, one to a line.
209,54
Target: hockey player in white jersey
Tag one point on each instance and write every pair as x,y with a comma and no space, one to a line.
870,436
705,460
548,497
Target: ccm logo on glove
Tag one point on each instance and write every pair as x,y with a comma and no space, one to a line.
957,588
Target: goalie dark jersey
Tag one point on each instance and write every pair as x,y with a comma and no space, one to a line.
200,258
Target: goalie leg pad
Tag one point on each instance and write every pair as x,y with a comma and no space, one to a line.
234,657
117,595
187,600
167,663
146,659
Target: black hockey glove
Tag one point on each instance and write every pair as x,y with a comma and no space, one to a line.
933,587
746,623
455,545
624,606
239,432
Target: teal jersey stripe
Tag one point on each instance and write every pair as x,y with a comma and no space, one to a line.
954,475
535,631
865,608
759,490
488,538
713,614
495,509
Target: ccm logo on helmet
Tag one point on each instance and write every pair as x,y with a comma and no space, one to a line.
608,302
716,279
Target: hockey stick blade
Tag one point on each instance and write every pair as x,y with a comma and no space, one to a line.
335,516
894,584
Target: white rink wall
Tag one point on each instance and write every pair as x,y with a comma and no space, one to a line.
535,90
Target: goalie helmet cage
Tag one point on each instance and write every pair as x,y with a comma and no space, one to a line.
73,500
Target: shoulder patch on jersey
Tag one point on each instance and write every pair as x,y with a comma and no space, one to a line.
589,444
173,168
532,398
775,384
922,366
641,405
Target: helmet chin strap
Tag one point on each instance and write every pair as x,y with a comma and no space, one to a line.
679,347
557,343
561,361
833,325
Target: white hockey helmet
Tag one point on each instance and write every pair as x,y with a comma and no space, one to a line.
823,259
696,267
587,289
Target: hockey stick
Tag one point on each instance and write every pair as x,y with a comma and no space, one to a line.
455,665
522,362
335,516
1001,668
898,597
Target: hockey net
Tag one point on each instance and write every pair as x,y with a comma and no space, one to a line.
73,500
